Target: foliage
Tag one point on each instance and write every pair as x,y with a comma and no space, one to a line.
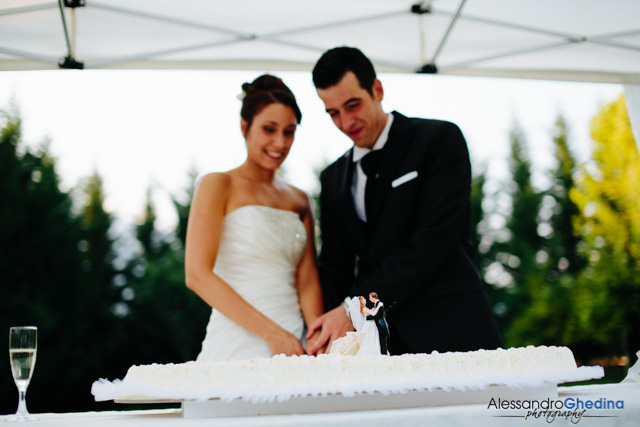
513,251
95,316
608,195
169,319
545,319
479,232
40,267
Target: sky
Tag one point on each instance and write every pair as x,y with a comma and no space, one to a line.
142,129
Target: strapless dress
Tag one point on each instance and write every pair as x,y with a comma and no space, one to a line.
260,248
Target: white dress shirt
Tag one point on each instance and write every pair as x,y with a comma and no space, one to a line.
359,178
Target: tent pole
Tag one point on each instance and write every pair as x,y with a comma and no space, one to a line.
69,61
446,35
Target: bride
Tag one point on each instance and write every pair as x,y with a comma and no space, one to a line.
250,250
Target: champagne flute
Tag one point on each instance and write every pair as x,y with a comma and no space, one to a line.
23,344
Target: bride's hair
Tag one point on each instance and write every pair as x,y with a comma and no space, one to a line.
362,304
263,91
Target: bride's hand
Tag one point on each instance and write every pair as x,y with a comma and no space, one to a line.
284,342
311,341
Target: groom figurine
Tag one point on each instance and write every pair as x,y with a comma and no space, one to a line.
378,315
395,218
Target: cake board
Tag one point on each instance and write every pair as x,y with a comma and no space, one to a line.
217,408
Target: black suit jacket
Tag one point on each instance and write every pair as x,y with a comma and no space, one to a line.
380,317
415,249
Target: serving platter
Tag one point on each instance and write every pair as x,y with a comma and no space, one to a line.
358,402
278,402
215,407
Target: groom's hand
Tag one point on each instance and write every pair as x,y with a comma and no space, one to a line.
333,325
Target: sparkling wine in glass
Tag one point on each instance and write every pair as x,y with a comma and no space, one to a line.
23,345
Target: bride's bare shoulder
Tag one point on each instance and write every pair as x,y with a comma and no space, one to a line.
300,199
219,183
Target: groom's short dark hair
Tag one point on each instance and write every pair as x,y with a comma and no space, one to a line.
336,62
373,295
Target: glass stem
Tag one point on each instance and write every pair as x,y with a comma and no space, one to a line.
22,403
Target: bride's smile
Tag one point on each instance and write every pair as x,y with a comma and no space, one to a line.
270,135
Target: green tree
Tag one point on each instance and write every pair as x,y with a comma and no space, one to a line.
608,195
545,320
477,213
169,320
58,271
479,232
145,231
40,266
563,245
515,252
183,208
98,299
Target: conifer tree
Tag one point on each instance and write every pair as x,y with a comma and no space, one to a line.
516,252
546,319
170,319
99,299
183,208
40,268
145,231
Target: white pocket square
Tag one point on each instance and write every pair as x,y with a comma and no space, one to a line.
404,179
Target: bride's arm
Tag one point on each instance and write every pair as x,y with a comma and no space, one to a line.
322,329
307,279
203,240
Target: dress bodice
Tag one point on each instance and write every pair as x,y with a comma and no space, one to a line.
259,241
260,248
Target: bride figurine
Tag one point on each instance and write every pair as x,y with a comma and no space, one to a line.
369,338
365,340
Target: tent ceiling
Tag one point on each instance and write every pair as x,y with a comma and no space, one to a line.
583,40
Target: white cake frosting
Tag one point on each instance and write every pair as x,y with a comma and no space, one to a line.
337,373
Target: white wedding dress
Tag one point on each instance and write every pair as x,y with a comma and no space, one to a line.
258,256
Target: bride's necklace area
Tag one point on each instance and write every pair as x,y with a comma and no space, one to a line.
265,190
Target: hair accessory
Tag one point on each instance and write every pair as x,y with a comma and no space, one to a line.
242,95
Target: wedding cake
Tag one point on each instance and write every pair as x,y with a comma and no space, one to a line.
335,373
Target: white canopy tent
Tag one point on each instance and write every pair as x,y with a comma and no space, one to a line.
577,40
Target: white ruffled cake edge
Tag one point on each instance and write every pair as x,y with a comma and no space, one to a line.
104,390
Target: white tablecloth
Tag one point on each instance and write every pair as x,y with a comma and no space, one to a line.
455,415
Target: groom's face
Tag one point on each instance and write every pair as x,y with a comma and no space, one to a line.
355,111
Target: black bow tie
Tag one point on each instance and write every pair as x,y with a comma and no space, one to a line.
370,163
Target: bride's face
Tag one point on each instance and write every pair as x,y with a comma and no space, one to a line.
270,136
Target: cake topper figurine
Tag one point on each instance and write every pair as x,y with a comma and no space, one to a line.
372,329
378,315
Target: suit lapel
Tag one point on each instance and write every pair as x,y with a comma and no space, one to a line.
395,151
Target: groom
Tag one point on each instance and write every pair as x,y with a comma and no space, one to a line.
395,218
378,316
